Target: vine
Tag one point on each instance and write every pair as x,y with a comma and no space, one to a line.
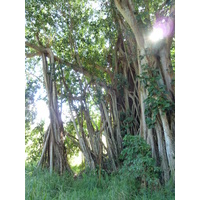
157,95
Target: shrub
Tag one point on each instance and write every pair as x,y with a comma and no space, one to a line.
138,163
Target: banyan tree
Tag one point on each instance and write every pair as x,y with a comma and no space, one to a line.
106,56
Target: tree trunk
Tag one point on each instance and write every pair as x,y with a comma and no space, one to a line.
160,55
57,152
162,152
84,147
168,142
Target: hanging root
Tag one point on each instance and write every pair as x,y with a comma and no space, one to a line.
46,139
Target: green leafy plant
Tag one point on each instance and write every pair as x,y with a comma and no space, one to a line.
126,122
41,185
121,83
34,142
138,163
157,95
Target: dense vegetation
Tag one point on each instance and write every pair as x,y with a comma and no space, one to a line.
110,66
41,185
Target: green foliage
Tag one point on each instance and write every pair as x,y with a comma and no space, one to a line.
126,122
40,185
71,28
144,12
172,54
157,95
30,110
121,83
138,163
71,148
34,142
33,85
98,97
78,168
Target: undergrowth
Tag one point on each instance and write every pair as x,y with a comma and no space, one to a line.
137,179
40,185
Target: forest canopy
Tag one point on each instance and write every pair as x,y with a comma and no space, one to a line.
110,65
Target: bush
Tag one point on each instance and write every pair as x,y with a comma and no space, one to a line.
138,163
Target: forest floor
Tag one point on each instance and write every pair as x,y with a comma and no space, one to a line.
40,185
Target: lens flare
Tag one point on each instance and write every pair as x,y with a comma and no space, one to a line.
163,27
156,35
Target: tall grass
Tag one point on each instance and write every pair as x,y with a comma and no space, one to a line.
40,185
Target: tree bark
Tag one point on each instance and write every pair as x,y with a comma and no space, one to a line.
57,152
162,53
162,152
168,142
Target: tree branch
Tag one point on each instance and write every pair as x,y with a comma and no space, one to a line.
45,146
81,69
41,50
127,9
29,73
30,55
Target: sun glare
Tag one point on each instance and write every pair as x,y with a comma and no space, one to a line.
42,113
156,35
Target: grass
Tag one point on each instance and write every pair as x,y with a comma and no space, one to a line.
40,185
